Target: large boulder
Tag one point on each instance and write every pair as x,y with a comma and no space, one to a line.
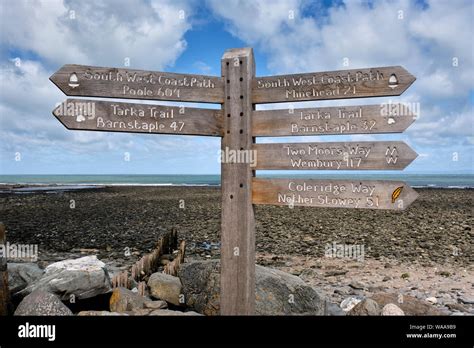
165,287
277,292
42,303
21,275
84,278
408,304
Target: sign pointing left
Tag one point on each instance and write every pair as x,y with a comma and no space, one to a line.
98,115
91,81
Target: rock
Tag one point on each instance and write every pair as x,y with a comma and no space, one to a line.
357,285
140,311
20,275
432,300
167,312
392,309
409,304
466,299
84,278
349,303
334,273
156,304
341,291
277,292
308,274
458,307
334,310
386,279
42,303
123,300
99,314
165,287
365,307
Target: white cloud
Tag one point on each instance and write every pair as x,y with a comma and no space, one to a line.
422,39
149,34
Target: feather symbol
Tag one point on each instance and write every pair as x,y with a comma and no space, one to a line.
396,193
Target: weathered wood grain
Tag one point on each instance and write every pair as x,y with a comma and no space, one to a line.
358,194
91,81
341,84
95,115
362,155
357,119
237,295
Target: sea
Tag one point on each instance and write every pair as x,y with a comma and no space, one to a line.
460,181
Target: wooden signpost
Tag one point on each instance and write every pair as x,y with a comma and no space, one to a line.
365,194
362,155
86,114
359,119
238,123
93,81
342,84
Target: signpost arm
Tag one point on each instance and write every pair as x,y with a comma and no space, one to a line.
237,295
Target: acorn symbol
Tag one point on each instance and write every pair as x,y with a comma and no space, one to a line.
392,81
73,80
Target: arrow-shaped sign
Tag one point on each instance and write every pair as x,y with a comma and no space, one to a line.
358,119
359,194
342,84
362,155
95,115
91,81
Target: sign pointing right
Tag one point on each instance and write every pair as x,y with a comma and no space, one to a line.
368,194
357,119
362,155
341,84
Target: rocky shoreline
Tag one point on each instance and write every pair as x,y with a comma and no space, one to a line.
423,255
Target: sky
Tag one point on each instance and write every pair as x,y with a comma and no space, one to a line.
431,39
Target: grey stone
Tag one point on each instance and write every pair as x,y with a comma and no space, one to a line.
348,303
42,303
365,307
334,310
357,285
156,304
165,287
84,277
277,292
20,275
466,299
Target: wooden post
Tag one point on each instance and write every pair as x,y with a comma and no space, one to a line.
237,295
4,292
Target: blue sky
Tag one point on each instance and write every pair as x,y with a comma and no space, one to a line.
431,39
